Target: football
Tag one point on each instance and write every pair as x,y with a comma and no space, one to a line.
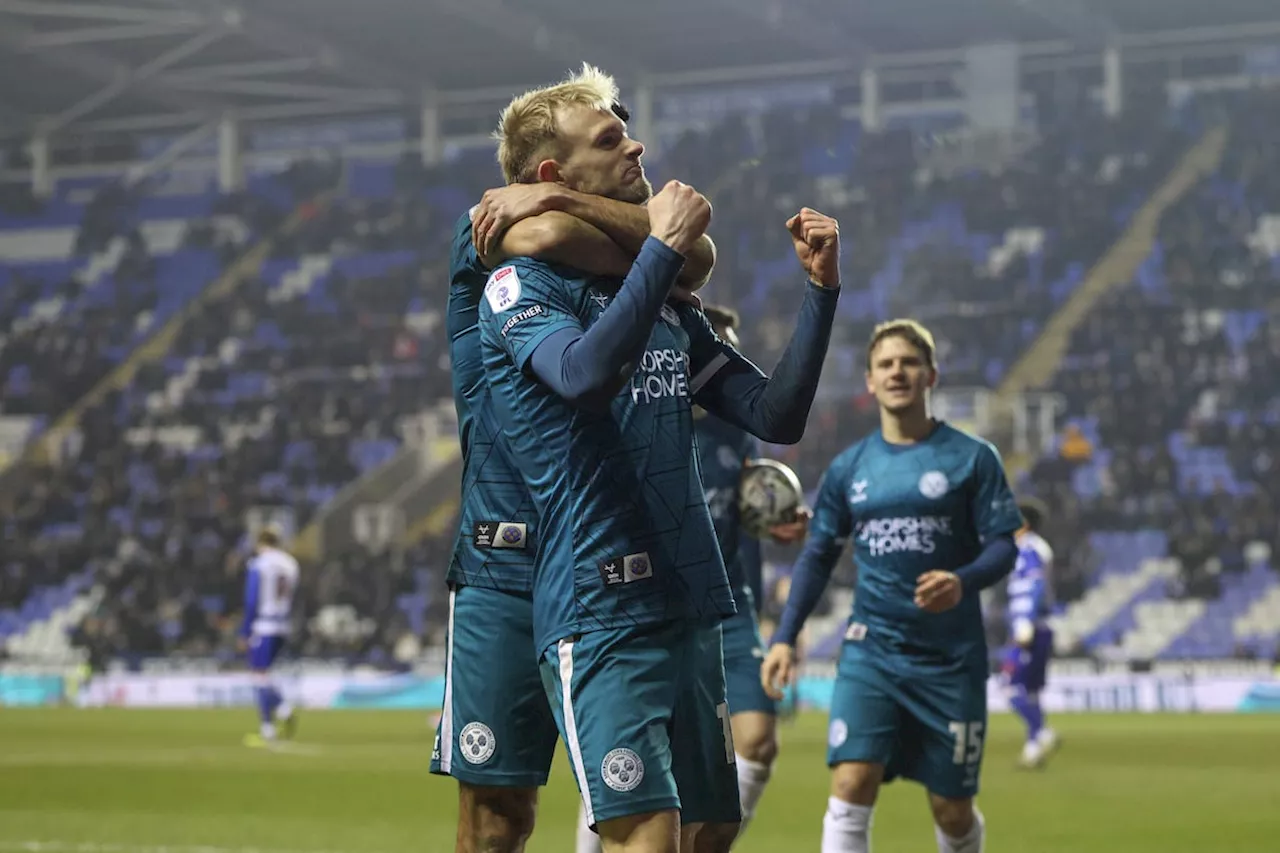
770,494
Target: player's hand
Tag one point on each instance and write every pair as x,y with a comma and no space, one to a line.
242,644
678,216
938,592
503,207
816,238
792,531
778,670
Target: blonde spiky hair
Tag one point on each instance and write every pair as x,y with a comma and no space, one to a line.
910,331
527,130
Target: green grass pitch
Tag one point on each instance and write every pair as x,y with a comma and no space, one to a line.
125,781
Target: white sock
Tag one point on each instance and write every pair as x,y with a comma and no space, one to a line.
846,827
268,731
284,711
970,843
588,841
752,777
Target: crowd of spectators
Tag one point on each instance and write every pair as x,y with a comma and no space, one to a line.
1173,383
274,396
297,381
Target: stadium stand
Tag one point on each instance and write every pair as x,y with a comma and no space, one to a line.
304,374
88,285
984,257
1173,408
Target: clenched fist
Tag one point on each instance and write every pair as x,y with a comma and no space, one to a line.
816,238
938,591
679,216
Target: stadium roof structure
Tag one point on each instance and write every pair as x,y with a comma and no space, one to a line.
75,67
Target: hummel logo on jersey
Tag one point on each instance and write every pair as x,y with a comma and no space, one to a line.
628,569
500,534
669,314
858,493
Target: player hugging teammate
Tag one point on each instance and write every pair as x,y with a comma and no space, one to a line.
586,536
598,586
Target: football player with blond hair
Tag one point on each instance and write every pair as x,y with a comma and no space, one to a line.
594,380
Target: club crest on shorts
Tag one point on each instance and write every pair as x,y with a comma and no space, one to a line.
933,484
622,770
628,569
500,534
477,743
837,734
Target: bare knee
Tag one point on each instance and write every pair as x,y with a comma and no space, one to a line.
761,750
652,832
755,737
856,782
953,817
495,820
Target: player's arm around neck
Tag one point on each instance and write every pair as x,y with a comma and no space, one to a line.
561,238
585,366
627,225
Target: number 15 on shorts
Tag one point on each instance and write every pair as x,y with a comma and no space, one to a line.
968,749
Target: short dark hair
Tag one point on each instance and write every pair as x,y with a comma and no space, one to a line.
910,331
722,316
1033,513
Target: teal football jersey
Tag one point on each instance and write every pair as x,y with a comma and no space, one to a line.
627,537
723,450
911,509
497,536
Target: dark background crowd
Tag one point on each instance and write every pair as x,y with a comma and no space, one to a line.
278,393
